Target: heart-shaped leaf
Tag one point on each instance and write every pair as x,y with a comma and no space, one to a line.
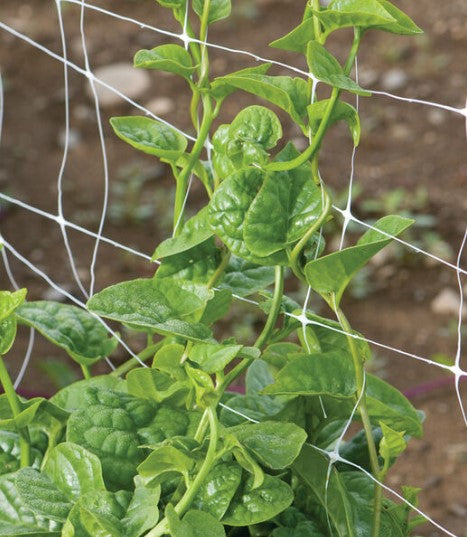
218,9
170,58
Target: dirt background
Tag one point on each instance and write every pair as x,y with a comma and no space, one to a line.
418,149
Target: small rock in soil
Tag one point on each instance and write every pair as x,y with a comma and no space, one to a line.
447,303
74,138
160,106
123,77
394,79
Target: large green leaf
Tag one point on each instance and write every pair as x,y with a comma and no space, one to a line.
162,463
142,513
42,496
228,209
274,444
330,494
194,232
170,58
290,94
218,489
257,124
327,69
81,334
153,384
341,111
74,470
221,87
113,425
403,23
164,305
331,373
16,519
244,278
254,505
10,301
297,40
150,136
287,204
218,9
332,273
361,13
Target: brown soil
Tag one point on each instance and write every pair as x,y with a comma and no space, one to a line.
407,146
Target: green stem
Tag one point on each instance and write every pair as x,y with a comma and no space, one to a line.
295,255
316,23
15,407
312,149
144,355
220,270
187,499
86,373
360,380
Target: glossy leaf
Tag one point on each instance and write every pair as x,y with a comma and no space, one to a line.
218,9
221,87
170,58
244,278
218,307
73,329
327,69
332,273
392,444
150,136
316,374
252,506
202,524
274,444
41,495
16,519
160,304
257,124
10,452
28,411
9,301
403,24
213,357
330,494
342,111
287,204
142,513
298,39
194,232
218,489
74,470
361,13
153,384
168,360
7,334
163,462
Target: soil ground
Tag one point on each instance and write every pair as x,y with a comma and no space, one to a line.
418,149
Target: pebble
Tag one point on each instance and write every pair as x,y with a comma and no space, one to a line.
367,77
394,79
447,303
123,77
160,106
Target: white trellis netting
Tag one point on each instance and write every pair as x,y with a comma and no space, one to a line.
85,69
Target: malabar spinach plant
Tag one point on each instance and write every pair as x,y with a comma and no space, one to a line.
161,446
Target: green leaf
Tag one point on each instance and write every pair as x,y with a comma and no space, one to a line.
228,209
221,87
41,495
218,9
168,360
142,513
7,334
298,39
113,425
195,231
327,69
212,357
244,278
392,443
218,307
165,305
252,506
170,58
162,463
73,329
403,24
10,301
10,452
332,273
16,519
356,450
341,111
74,470
218,489
173,4
290,94
150,136
361,13
202,524
153,384
257,124
28,412
274,444
329,493
331,373
287,204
